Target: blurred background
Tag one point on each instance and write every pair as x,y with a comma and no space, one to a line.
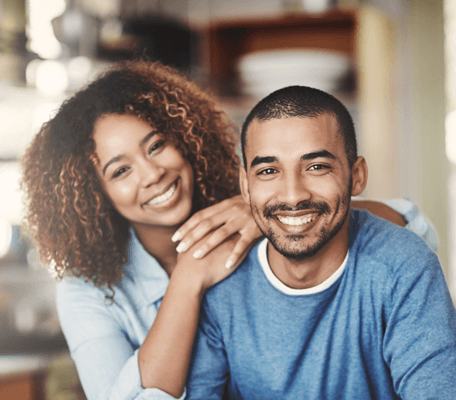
391,62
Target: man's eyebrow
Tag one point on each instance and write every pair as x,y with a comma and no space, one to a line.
309,156
263,160
317,154
143,141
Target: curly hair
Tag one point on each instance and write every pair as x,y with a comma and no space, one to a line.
75,226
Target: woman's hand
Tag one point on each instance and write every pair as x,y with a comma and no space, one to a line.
218,223
207,271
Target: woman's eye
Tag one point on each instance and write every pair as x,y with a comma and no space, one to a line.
155,146
119,172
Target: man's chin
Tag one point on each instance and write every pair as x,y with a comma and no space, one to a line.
294,249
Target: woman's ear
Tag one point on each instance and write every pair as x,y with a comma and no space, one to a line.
244,185
359,176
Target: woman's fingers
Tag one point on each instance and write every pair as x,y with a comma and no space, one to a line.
229,216
214,240
208,270
249,237
202,228
240,250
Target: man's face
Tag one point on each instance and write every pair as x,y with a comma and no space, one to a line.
298,182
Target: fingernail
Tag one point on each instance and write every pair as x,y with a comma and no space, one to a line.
197,254
176,236
182,246
229,264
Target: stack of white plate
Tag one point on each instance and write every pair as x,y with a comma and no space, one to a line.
265,71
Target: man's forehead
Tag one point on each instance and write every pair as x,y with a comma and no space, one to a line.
269,135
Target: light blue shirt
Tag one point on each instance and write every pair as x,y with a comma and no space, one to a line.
104,338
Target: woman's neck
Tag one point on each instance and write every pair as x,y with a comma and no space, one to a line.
157,242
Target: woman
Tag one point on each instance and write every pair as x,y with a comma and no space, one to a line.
110,178
112,181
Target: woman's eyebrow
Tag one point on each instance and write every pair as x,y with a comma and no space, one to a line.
146,138
112,161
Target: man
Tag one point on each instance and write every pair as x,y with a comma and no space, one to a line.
336,303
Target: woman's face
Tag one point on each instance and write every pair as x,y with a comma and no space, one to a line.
146,178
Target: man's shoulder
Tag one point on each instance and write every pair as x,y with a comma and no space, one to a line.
385,242
246,273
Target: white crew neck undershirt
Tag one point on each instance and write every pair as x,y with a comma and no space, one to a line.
263,258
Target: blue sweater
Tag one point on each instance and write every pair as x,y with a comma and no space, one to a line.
382,327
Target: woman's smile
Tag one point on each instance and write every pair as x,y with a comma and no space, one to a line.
163,197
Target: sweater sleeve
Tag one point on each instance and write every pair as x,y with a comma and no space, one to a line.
420,330
106,360
416,221
209,370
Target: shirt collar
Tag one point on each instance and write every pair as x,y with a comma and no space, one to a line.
145,272
279,285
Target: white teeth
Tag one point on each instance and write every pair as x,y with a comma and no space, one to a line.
163,197
295,221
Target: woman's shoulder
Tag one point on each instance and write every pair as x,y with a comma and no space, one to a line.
73,291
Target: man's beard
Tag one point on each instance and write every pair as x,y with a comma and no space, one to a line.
285,245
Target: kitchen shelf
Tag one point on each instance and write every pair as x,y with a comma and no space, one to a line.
226,41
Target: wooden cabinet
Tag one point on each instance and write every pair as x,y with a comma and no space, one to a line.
23,386
45,377
226,41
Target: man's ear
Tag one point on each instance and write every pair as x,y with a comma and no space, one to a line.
244,185
359,175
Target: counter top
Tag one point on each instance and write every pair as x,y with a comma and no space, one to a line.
15,364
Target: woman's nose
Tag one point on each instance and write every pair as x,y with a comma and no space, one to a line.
150,173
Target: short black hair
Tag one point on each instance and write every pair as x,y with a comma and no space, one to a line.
305,102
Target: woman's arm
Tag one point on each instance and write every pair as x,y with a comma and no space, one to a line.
165,354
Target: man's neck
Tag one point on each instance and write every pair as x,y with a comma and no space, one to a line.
314,270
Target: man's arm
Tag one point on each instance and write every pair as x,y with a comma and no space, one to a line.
403,212
381,210
419,343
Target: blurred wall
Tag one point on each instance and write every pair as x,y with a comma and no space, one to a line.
402,106
401,103
428,115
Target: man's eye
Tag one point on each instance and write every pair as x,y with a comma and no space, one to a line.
156,146
318,167
267,171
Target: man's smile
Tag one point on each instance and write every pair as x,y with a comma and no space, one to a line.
296,221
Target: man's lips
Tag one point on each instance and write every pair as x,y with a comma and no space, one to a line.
163,197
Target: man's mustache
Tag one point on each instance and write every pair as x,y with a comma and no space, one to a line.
322,207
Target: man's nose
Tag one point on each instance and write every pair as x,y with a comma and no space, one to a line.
150,172
294,189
